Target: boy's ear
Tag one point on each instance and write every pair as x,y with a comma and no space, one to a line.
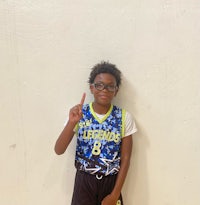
91,88
116,91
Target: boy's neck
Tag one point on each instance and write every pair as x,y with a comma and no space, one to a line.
100,109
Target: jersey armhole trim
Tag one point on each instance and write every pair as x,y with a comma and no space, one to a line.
123,122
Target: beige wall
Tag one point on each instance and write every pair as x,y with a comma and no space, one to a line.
46,51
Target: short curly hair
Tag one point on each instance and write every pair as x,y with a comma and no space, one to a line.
105,67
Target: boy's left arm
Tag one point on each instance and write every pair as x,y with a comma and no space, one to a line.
126,149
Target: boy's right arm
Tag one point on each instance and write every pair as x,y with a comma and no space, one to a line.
65,138
67,134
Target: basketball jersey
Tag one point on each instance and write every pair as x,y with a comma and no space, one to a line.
99,141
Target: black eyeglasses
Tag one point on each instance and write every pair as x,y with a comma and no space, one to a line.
102,86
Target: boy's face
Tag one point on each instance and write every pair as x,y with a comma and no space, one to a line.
104,88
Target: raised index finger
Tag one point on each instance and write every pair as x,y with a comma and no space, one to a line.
83,99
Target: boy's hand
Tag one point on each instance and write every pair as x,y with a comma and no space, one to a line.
75,113
109,200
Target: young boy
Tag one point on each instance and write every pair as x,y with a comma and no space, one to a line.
104,140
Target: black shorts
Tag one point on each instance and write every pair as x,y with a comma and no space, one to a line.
92,189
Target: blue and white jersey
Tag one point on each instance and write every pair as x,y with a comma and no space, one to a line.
99,141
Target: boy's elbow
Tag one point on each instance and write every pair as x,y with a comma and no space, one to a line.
58,152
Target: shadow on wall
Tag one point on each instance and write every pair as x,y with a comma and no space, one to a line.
135,190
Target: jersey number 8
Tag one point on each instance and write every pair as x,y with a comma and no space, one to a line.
96,149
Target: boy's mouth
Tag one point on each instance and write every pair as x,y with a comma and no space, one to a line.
104,96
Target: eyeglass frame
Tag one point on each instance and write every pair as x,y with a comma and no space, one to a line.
105,87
